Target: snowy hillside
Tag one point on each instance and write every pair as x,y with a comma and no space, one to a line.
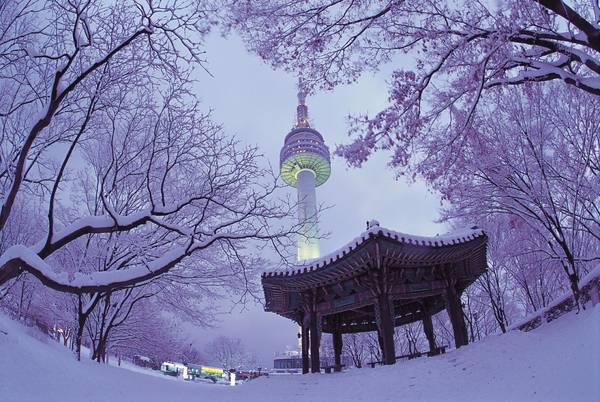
558,362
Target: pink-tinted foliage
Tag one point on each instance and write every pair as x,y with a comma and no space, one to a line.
529,167
446,55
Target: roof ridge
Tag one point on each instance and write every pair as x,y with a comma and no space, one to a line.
456,236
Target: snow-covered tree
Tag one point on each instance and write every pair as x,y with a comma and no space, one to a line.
229,353
461,50
355,346
101,89
496,43
409,338
530,163
446,55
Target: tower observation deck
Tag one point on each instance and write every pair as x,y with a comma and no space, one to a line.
305,164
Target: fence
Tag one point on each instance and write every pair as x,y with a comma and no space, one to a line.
589,295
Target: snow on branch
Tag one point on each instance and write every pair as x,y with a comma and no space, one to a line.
110,88
460,57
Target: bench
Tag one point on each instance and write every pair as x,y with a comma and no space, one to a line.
437,351
328,369
440,350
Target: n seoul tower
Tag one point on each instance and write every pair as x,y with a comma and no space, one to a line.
305,165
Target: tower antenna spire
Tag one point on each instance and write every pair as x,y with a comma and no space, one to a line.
301,109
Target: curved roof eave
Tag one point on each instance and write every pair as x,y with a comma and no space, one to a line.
454,237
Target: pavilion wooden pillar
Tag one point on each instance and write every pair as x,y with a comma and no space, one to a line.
315,342
385,321
454,309
428,329
337,349
305,344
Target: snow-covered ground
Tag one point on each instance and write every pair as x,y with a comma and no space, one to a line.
559,361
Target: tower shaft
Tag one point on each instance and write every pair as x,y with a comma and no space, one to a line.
308,243
305,164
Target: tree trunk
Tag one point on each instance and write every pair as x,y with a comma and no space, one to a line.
98,354
574,282
21,301
78,338
81,317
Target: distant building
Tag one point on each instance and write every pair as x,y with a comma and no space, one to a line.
290,362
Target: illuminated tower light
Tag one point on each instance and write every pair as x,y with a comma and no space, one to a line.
305,164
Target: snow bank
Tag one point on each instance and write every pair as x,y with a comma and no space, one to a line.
559,361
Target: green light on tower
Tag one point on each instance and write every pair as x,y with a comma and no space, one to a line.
305,165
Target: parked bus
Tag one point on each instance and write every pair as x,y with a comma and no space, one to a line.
213,374
194,371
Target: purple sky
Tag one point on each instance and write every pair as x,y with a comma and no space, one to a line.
258,105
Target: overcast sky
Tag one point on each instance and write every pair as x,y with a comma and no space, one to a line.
258,105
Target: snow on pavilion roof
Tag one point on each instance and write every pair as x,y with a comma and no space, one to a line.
453,237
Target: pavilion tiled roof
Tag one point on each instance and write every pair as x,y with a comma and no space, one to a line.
454,237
